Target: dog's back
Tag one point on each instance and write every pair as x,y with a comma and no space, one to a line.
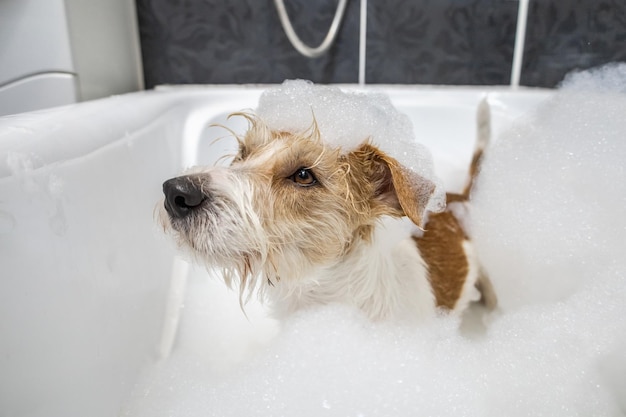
454,269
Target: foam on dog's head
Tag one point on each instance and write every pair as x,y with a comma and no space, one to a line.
347,120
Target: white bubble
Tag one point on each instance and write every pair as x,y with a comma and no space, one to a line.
608,78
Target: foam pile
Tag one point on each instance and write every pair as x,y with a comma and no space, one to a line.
548,209
549,222
346,120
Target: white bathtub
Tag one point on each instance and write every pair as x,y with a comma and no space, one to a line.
85,272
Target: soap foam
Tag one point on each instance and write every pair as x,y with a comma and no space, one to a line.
548,204
608,78
547,219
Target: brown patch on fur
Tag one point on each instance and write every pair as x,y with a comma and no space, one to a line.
455,198
441,247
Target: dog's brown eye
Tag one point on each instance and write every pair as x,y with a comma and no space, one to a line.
304,177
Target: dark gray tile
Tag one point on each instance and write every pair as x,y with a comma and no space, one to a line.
242,41
440,41
563,35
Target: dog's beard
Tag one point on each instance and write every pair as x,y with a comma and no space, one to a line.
224,233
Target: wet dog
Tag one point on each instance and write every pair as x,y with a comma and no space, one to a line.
301,222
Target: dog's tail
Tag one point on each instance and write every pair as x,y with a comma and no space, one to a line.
483,137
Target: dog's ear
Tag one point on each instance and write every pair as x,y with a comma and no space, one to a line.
401,191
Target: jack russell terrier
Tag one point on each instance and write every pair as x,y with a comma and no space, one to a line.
301,222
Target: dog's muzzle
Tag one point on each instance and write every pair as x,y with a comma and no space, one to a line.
182,196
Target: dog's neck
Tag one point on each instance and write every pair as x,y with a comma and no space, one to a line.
384,278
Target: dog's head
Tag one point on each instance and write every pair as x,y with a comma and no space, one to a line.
288,203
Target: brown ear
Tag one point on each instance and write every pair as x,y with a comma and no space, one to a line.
401,190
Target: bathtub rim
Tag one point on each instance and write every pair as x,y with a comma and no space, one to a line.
40,135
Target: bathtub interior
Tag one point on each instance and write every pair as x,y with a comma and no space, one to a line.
549,204
86,272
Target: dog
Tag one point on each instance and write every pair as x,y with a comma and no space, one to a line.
301,222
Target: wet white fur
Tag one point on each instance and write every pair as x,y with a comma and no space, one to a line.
385,278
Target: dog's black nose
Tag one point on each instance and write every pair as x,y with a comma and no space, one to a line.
182,195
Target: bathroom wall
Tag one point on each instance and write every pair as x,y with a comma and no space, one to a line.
242,41
567,34
407,41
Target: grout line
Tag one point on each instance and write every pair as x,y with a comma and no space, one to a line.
520,37
362,41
